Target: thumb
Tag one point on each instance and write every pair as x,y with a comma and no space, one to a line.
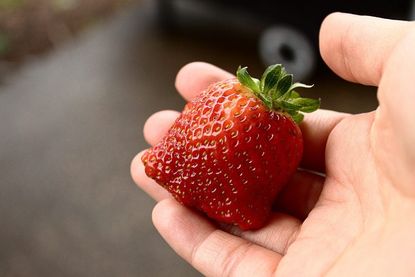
394,127
356,47
380,52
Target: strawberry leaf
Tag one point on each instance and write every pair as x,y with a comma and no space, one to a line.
270,78
297,117
295,94
306,105
276,90
284,84
246,80
300,85
288,106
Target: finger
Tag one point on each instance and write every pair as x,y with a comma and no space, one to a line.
145,183
277,235
356,47
158,124
316,129
394,127
195,77
192,79
300,195
211,251
396,95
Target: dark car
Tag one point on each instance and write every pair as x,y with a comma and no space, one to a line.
287,30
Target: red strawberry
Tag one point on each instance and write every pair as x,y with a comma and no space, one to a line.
234,147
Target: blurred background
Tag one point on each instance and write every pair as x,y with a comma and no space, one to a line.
78,80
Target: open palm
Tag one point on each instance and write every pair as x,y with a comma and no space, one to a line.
357,217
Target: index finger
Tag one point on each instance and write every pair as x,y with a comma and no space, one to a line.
357,47
211,251
195,77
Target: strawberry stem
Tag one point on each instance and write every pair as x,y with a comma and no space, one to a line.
277,90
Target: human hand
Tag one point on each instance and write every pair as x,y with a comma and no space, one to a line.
358,219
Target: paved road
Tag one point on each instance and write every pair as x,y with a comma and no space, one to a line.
70,123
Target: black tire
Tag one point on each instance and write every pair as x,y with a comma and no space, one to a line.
289,47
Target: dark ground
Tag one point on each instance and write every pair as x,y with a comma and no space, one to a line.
70,122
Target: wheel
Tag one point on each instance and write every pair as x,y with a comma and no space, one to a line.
289,47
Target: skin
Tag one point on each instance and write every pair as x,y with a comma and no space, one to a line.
358,220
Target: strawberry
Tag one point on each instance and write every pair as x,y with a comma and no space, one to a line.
234,147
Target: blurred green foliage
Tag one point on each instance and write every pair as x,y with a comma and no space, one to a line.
11,4
4,43
65,4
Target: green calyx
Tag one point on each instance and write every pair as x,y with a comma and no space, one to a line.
277,90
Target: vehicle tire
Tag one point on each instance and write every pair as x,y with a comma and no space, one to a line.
289,47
